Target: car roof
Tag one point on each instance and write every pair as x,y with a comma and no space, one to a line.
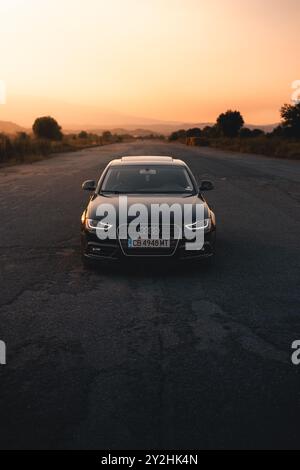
147,160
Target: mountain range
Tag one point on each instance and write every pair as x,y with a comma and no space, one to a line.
9,127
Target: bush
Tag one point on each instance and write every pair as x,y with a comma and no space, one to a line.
22,146
197,141
194,132
210,131
257,133
107,136
26,148
262,145
83,135
178,135
47,128
245,133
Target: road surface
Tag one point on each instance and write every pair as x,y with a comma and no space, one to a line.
148,358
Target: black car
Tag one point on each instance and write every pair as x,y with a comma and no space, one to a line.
118,221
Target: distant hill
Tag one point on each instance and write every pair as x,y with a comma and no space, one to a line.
138,132
161,128
265,128
10,127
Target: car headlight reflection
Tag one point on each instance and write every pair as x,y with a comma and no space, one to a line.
93,225
204,224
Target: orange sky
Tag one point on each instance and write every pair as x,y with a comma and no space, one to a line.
178,60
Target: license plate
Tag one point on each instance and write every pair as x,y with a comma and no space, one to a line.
148,243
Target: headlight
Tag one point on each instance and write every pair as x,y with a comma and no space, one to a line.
204,224
92,225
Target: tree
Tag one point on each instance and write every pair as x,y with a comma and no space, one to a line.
83,135
290,115
257,133
107,135
173,136
181,134
245,133
22,136
276,132
210,131
6,147
248,133
194,132
47,127
230,123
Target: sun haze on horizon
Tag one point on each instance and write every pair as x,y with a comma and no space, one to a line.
173,60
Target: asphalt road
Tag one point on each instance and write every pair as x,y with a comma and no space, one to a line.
140,357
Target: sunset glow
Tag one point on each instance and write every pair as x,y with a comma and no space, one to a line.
175,60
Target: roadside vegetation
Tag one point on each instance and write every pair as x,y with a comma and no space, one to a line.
47,138
229,133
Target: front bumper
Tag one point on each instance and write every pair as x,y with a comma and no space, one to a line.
116,250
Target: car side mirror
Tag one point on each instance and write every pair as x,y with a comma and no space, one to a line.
206,186
89,185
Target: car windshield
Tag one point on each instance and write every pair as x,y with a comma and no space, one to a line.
135,179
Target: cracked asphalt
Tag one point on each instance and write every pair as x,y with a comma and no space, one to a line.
141,357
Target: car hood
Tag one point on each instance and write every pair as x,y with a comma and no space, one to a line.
147,200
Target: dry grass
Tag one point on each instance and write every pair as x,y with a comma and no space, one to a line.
263,145
25,148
